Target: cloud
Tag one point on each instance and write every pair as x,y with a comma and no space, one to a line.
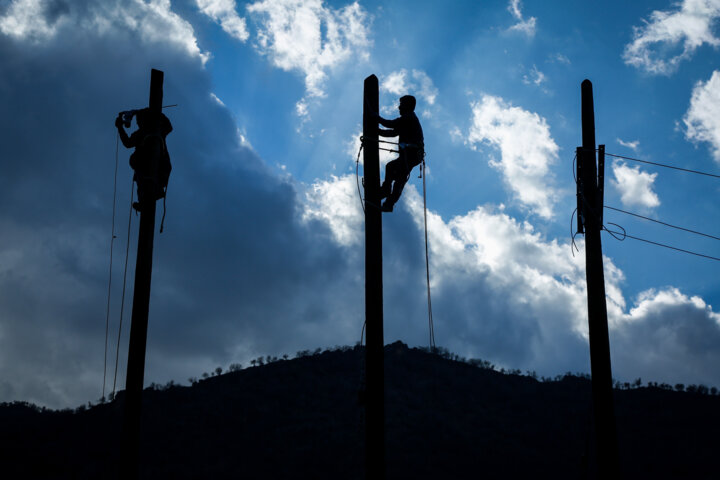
669,37
308,37
223,12
336,202
631,145
527,27
252,262
238,262
536,77
560,58
668,335
702,120
504,292
154,21
635,186
416,83
527,150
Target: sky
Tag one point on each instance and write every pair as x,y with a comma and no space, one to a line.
263,247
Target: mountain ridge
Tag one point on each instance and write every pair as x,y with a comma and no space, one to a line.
303,418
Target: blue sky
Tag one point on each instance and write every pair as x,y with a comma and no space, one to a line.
263,249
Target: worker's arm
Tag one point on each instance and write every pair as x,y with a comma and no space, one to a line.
123,135
391,124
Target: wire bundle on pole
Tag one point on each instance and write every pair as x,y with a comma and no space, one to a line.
623,235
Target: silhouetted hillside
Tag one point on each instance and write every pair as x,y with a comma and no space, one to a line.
301,418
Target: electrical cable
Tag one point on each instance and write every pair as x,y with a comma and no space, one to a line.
663,223
573,234
663,165
357,178
625,235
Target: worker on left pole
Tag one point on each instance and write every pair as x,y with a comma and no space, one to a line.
150,161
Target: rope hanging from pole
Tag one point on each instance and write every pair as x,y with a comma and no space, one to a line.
431,326
112,242
427,258
122,298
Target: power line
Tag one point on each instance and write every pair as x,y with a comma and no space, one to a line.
663,165
663,223
661,245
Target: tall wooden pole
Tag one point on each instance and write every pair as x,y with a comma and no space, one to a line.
605,431
141,296
374,361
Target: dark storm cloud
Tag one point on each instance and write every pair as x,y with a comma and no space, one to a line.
236,272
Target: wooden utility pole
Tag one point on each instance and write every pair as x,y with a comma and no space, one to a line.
374,361
590,198
141,297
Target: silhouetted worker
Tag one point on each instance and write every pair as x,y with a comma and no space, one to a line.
147,142
412,148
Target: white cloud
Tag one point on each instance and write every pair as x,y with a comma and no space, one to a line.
526,27
670,37
336,202
631,145
416,83
223,12
154,21
536,77
635,186
395,83
526,146
560,58
308,37
668,336
217,99
27,19
702,120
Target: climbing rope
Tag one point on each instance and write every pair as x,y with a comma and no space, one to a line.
112,241
431,326
122,299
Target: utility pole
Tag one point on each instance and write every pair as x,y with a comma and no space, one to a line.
141,297
590,199
374,361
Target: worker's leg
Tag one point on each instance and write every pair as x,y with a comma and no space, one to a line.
392,173
398,173
397,189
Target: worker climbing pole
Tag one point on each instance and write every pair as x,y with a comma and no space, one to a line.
374,361
151,164
411,152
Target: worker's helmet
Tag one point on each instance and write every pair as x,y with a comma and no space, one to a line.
407,103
